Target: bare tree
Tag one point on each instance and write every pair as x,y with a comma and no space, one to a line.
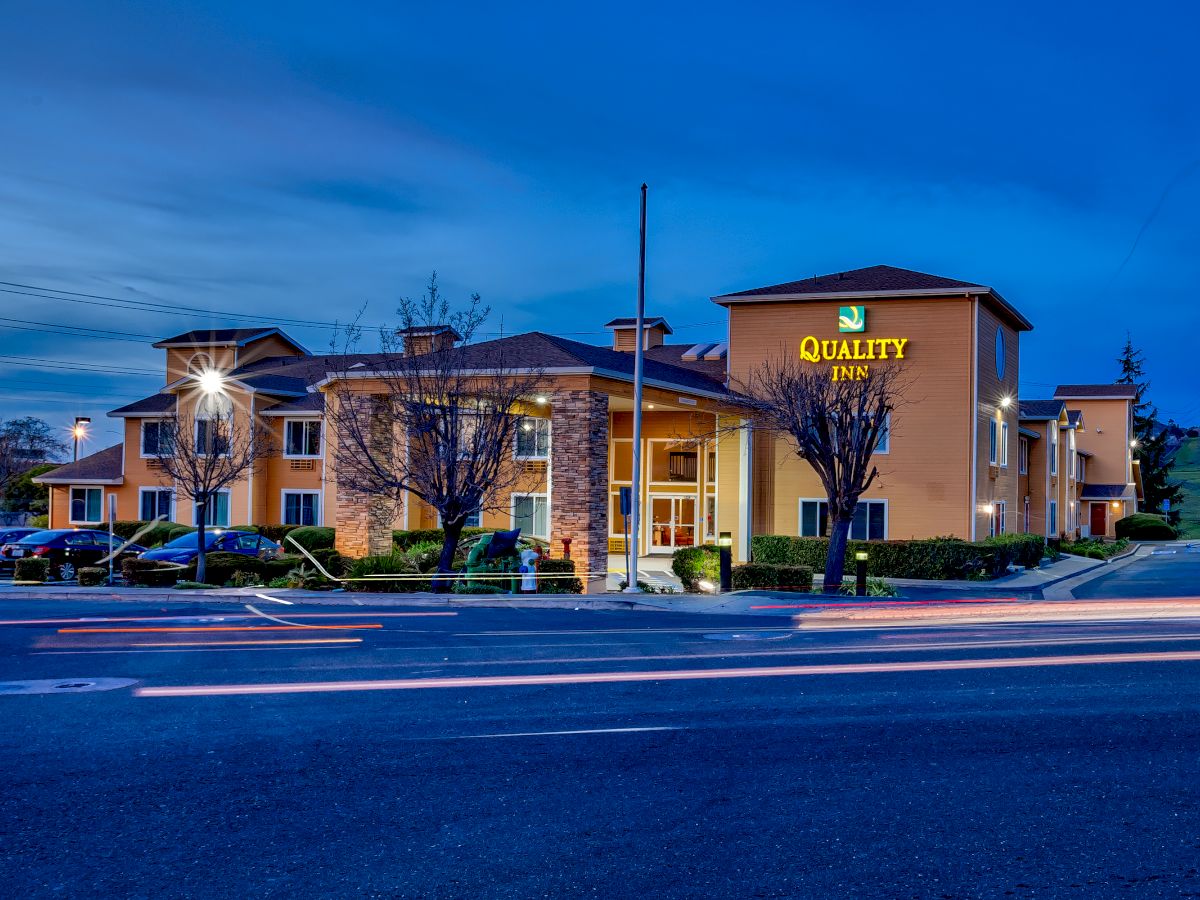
24,443
207,449
440,419
835,426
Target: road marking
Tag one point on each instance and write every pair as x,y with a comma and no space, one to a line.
940,665
274,600
456,737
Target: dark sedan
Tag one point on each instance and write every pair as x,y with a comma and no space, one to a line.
8,536
70,549
185,548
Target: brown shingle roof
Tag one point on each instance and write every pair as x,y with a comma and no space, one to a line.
1083,391
105,466
203,337
868,280
1039,409
147,406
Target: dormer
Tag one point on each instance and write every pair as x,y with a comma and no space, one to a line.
419,339
624,333
223,349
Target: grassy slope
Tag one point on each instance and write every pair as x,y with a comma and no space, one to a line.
1187,470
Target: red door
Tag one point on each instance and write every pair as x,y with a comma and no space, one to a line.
1099,519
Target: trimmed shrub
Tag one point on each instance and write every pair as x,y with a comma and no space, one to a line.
1145,527
274,533
935,558
695,564
177,531
331,561
405,539
476,587
311,537
565,585
92,576
152,573
31,568
1027,549
219,567
281,565
769,576
392,564
1093,549
157,536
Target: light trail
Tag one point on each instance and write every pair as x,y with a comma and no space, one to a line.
220,618
203,629
464,737
246,643
942,665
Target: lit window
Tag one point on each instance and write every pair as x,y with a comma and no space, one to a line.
533,438
301,508
87,504
302,437
992,439
869,523
1004,445
156,502
216,511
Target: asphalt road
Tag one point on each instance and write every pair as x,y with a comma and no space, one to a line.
1172,570
728,757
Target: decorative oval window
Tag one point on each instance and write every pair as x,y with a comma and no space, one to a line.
1000,353
199,364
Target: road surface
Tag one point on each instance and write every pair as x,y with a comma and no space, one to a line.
529,753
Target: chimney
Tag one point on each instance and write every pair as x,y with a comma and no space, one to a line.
421,339
625,340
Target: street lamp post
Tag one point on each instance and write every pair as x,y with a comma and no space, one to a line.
79,432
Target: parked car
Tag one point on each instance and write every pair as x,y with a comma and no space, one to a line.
8,537
185,548
70,549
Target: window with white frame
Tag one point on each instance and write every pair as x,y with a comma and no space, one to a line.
1052,518
473,519
1004,445
1023,456
87,504
302,437
216,511
869,523
1082,476
533,438
156,436
885,436
992,441
710,516
1053,429
999,513
155,502
531,513
301,508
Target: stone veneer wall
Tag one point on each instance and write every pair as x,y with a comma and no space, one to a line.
363,521
579,480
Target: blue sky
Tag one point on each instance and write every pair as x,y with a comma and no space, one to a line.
304,159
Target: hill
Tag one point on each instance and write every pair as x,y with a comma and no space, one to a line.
1187,471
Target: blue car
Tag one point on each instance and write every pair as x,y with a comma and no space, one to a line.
185,548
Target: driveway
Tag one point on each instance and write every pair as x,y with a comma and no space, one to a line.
1171,570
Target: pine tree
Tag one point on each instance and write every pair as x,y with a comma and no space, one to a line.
1151,449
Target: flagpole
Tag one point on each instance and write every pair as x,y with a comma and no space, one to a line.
631,570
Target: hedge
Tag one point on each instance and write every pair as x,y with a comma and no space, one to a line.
770,576
695,564
934,558
405,539
157,536
152,573
219,567
31,568
1145,527
178,531
566,585
390,564
92,576
311,537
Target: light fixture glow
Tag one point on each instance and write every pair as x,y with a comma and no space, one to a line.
211,381
706,585
1005,402
1133,443
989,508
649,406
1116,504
539,399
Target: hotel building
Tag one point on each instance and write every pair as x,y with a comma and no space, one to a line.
963,455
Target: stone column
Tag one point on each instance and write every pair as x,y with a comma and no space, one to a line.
579,481
363,519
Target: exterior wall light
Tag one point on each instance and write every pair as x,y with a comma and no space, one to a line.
1116,504
540,399
1133,443
989,508
1005,402
212,381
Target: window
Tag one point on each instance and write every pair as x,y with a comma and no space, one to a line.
885,436
301,437
710,474
1004,445
869,523
155,502
531,513
992,439
87,504
301,508
1082,477
999,512
216,511
1023,456
1053,429
156,436
212,437
1052,518
533,438
473,520
710,516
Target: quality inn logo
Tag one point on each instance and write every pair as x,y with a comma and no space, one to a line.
852,318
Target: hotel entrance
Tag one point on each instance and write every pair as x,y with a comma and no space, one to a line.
1099,520
672,522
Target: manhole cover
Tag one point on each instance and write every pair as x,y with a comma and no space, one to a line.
65,686
749,636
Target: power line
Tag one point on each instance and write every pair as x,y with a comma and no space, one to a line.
39,362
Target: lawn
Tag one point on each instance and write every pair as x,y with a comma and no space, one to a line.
1187,471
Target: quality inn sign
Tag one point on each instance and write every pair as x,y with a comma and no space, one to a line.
851,319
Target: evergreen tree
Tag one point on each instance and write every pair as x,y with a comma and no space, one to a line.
1151,448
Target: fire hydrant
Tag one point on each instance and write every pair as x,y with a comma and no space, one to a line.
529,571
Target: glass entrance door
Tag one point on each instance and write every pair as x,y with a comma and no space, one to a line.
672,522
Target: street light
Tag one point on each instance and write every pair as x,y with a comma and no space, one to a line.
79,432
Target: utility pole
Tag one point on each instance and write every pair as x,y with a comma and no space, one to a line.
631,571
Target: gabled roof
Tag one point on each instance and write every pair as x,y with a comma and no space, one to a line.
102,467
429,329
147,406
875,282
1096,391
1074,418
631,322
309,403
1028,432
1039,409
223,337
279,385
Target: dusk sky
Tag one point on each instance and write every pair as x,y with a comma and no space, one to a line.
298,161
